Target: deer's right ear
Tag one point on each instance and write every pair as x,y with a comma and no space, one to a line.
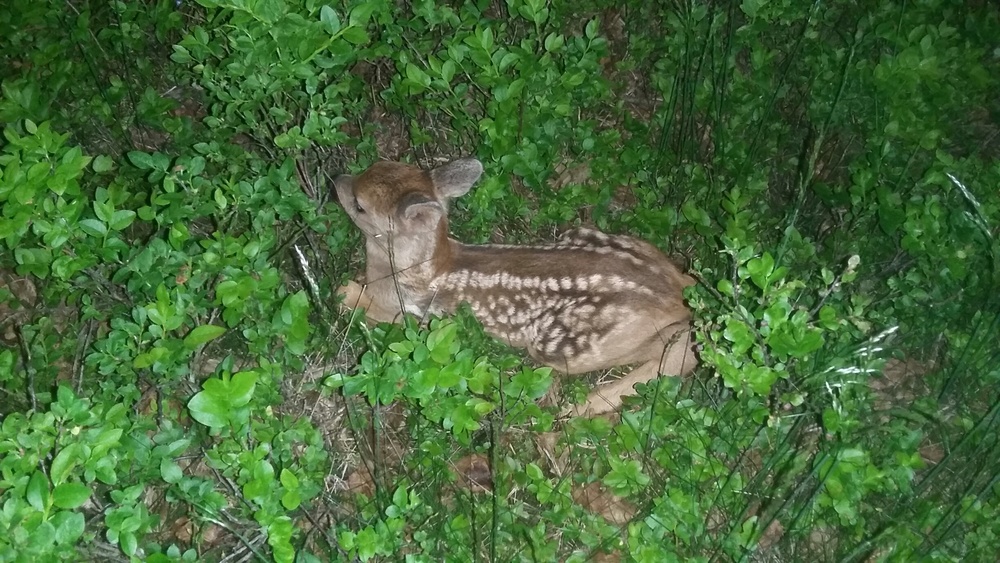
456,178
419,213
343,188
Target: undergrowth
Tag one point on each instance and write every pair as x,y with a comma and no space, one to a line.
178,382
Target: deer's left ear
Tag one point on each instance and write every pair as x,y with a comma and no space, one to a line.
456,178
418,213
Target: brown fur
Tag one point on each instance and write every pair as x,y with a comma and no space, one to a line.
586,302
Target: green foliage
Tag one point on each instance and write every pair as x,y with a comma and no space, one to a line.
41,194
443,380
178,385
52,462
90,68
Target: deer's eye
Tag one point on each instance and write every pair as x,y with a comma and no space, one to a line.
357,207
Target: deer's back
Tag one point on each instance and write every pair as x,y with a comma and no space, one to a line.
569,300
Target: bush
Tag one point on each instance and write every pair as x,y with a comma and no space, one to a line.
180,384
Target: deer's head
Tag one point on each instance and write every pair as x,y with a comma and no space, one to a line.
393,199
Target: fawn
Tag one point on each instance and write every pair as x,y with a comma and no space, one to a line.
589,301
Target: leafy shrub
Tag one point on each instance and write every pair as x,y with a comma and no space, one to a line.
179,384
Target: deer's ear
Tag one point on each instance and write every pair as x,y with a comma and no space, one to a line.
456,178
419,213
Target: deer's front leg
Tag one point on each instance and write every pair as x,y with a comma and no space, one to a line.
357,296
354,296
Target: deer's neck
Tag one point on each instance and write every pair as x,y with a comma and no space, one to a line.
412,260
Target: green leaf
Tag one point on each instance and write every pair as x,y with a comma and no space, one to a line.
485,36
103,209
34,261
207,409
534,472
442,337
267,11
141,160
241,388
93,227
220,199
8,227
295,315
70,495
759,378
828,317
416,75
202,334
530,383
695,214
69,527
128,542
448,376
355,35
361,13
103,164
891,209
399,497
330,19
852,455
831,420
181,55
37,492
279,537
404,349
176,447
288,479
346,539
121,219
751,7
367,543
42,538
574,79
554,41
626,476
420,353
63,463
725,287
108,437
73,161
170,471
448,71
291,499
794,337
739,334
760,270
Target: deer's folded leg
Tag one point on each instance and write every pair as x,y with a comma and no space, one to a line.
678,359
354,297
357,296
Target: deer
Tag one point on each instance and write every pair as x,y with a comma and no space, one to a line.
588,301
